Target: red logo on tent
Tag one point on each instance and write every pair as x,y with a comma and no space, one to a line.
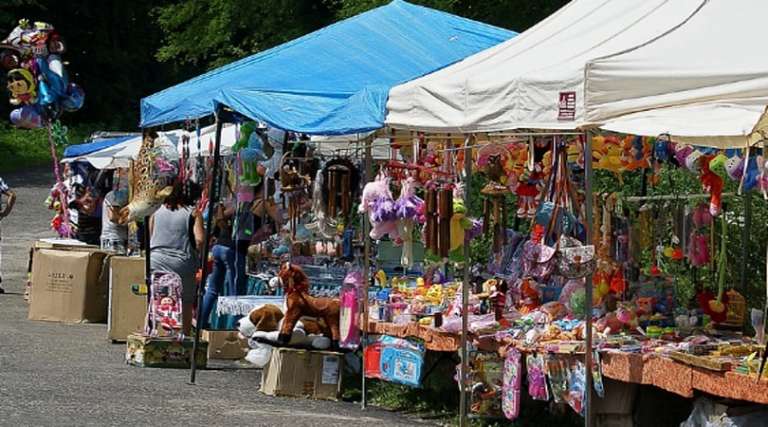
566,108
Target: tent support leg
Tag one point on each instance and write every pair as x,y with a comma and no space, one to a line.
366,276
213,198
463,404
588,174
146,238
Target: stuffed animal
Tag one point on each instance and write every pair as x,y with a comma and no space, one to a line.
713,184
261,328
299,303
378,202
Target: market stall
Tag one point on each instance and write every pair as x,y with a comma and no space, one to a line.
340,89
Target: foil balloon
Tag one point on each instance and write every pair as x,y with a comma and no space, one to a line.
74,99
37,79
27,117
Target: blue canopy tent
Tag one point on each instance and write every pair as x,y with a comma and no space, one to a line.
335,80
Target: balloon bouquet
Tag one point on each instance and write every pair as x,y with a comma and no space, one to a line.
40,90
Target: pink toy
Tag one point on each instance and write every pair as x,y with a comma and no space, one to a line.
349,328
378,202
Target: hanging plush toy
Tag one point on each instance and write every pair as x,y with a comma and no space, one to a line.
377,201
713,184
407,209
250,149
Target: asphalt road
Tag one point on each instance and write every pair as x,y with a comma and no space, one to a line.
56,374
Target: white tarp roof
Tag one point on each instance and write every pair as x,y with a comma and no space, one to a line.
518,83
120,155
705,78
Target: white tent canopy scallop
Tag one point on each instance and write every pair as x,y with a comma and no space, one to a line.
705,81
535,80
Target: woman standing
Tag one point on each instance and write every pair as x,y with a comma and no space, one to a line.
176,230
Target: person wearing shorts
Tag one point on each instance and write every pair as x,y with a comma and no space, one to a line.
5,210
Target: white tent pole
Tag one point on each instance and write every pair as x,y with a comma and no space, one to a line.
589,175
465,295
367,172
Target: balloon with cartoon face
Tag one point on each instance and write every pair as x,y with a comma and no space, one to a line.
21,85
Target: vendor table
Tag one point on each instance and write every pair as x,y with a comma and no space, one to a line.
680,378
434,340
648,369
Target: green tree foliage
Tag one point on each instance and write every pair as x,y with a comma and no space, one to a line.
212,33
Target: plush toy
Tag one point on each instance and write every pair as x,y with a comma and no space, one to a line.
299,303
459,222
265,318
378,202
261,328
713,184
407,209
530,296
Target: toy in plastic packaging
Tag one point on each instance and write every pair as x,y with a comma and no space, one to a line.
597,375
510,398
576,386
537,379
487,381
401,361
164,312
557,371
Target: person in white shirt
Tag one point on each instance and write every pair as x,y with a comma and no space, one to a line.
114,236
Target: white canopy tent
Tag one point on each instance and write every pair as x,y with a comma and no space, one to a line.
535,80
704,82
120,155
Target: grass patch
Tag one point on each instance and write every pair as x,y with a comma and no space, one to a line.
24,148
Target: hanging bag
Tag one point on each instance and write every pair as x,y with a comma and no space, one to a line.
574,259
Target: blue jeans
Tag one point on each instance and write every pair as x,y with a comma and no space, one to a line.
227,278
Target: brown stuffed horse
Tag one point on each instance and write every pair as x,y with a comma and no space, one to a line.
299,303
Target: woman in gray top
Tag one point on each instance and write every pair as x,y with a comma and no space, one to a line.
176,230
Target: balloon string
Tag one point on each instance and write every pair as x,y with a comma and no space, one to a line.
66,229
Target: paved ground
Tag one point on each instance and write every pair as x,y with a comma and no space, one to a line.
53,374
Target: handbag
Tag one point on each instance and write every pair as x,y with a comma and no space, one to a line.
538,260
575,260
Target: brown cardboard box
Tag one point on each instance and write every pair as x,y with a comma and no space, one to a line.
225,345
303,373
66,286
127,300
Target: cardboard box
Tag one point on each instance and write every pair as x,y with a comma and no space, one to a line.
163,352
303,373
225,345
127,297
67,286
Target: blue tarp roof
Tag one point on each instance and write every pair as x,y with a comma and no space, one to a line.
96,144
335,80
